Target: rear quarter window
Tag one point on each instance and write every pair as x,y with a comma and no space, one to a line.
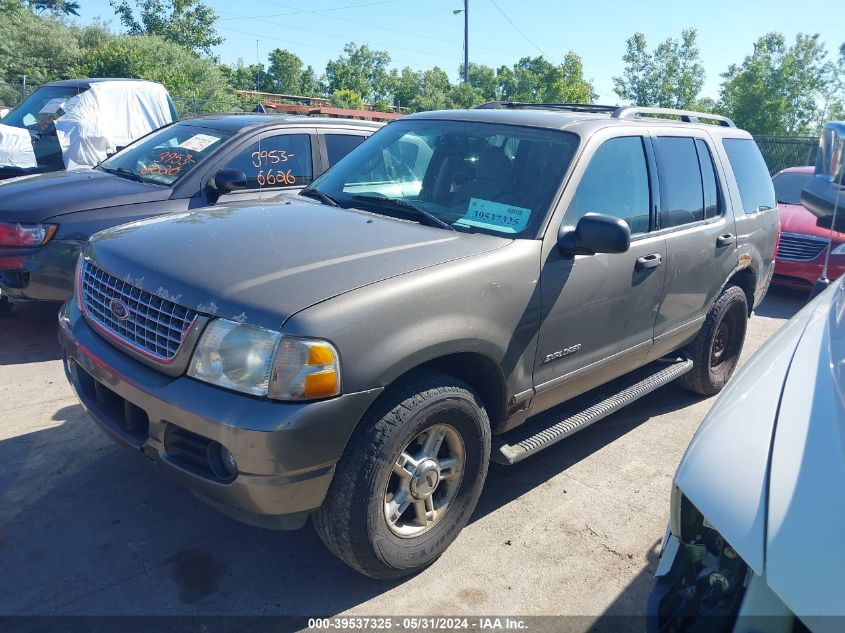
751,173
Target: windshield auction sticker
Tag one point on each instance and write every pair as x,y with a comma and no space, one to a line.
496,216
52,106
198,142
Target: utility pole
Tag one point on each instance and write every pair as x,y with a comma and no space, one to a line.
466,41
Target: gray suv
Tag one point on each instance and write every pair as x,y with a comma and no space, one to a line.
464,286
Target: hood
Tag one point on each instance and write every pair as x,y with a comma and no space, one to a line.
767,465
724,472
804,554
795,218
262,263
43,196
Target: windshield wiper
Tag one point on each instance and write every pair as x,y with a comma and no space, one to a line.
122,171
404,205
319,195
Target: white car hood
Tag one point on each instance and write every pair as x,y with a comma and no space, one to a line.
805,558
780,502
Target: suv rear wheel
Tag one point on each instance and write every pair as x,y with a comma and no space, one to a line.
409,479
715,351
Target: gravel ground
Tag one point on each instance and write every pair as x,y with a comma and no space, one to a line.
86,527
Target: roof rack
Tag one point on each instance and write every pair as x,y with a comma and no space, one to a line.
617,112
687,116
571,107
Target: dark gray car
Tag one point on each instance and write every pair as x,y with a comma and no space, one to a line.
46,219
472,285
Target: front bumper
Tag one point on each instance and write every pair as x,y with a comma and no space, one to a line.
802,275
41,273
286,452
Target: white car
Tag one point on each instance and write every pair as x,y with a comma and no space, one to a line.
758,504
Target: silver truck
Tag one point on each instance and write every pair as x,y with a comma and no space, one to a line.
464,286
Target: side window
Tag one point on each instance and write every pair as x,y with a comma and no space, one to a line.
751,173
615,183
276,161
712,208
339,145
681,196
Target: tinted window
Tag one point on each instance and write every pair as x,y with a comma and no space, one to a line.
477,177
751,173
339,145
615,183
276,161
40,109
788,186
681,197
708,179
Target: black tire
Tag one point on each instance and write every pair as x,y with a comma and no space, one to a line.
352,521
716,349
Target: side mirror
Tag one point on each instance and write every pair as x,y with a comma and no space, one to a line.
824,194
228,180
594,233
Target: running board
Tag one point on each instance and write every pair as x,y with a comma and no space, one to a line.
562,421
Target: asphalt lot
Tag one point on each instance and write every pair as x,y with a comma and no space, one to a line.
87,527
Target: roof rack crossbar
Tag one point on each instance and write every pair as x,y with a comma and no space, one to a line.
571,107
687,116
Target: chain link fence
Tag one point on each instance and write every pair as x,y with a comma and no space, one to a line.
781,152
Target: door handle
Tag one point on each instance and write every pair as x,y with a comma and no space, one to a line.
725,240
649,261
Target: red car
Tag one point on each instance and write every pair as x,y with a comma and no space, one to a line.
803,245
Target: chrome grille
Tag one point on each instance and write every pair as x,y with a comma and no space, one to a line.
155,326
800,248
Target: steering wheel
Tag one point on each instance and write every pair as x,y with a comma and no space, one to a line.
515,198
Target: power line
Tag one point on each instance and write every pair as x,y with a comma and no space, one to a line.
513,24
295,11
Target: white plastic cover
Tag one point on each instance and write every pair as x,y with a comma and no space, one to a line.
16,147
109,115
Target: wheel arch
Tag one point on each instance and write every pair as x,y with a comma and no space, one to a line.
746,279
476,368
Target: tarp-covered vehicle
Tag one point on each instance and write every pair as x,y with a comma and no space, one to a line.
77,123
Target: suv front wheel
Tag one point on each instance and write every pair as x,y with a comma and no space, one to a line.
715,351
409,478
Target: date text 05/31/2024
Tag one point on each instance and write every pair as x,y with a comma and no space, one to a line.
418,623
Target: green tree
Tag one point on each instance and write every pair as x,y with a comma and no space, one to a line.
196,84
189,23
345,98
42,48
55,7
776,89
360,69
536,79
483,81
241,76
288,75
670,77
465,95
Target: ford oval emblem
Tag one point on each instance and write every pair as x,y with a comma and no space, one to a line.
119,309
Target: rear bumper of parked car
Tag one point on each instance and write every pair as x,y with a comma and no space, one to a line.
42,273
285,452
802,275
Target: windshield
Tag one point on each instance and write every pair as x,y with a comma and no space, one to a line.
788,186
40,109
485,177
165,156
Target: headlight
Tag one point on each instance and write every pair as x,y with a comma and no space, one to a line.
305,370
262,362
17,234
839,250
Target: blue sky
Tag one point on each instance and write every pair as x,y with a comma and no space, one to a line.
422,34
